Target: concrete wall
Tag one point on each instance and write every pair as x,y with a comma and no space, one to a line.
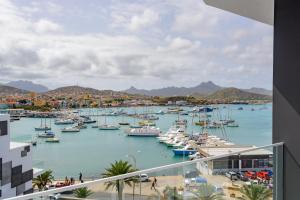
286,106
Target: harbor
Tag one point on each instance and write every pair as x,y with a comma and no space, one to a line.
106,146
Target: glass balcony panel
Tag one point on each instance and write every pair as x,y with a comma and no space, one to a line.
225,175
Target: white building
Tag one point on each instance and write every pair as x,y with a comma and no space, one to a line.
16,170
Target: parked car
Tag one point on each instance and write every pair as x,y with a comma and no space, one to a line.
231,175
242,176
263,175
144,178
250,174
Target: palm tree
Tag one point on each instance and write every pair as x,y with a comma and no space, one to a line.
255,192
41,181
206,192
82,192
118,168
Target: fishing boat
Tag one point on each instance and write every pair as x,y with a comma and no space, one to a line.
145,131
52,140
46,134
108,127
71,129
187,150
43,127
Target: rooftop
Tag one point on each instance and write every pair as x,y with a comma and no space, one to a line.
217,151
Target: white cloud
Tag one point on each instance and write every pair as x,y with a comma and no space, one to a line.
41,49
47,26
195,18
147,18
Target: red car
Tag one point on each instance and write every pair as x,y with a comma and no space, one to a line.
250,175
263,175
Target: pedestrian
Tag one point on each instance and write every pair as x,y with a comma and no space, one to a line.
155,181
80,177
153,186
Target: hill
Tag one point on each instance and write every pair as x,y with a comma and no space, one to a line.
205,88
237,94
77,90
28,85
11,91
259,91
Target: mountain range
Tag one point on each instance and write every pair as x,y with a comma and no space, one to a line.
203,89
28,85
207,90
77,90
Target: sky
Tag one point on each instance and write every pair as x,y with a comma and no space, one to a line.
115,44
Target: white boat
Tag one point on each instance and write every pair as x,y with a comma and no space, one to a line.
160,112
64,121
47,134
52,140
145,131
70,129
108,127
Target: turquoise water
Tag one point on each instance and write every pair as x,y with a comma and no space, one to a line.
91,150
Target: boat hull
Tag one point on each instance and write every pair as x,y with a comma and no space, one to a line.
43,129
180,152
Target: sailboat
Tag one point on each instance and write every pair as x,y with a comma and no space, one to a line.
43,127
124,123
106,126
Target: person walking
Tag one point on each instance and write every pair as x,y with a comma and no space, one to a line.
155,181
153,186
80,177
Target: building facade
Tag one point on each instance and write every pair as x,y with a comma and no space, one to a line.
16,170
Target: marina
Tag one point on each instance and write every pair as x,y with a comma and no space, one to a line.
107,145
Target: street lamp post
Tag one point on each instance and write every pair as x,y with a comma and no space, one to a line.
134,162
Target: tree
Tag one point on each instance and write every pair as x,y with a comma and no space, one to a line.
118,168
206,192
41,181
82,192
255,192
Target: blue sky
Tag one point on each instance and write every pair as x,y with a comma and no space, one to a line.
110,44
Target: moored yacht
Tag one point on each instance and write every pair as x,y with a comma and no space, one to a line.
145,131
47,134
108,127
72,129
187,150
